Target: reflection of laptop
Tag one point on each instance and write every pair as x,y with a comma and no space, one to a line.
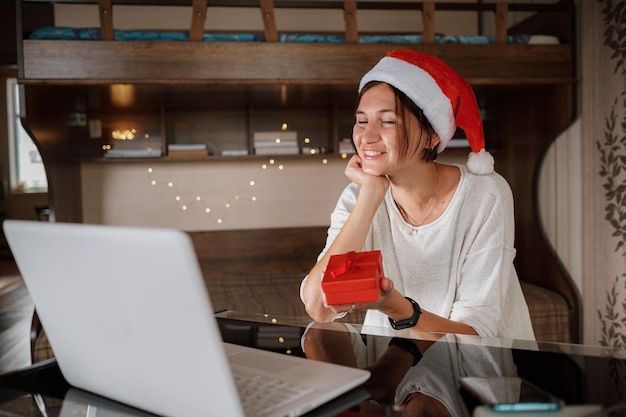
128,317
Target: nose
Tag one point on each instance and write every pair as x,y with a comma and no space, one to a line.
367,134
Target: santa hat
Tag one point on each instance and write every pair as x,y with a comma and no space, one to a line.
445,97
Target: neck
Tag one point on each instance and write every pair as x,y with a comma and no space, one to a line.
415,210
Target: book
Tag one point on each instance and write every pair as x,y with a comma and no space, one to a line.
271,136
186,147
234,152
187,153
278,142
133,153
278,150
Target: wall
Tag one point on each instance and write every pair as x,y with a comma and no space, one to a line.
302,193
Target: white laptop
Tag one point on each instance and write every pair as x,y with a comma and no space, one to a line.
127,314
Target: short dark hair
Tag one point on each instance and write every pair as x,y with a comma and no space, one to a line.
404,107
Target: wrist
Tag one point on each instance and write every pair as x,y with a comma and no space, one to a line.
409,320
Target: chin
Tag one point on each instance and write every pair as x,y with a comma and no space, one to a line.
373,171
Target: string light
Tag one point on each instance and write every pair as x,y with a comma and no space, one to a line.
200,201
126,134
184,204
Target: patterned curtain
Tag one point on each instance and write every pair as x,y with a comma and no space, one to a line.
603,131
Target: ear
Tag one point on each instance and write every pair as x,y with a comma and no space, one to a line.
435,141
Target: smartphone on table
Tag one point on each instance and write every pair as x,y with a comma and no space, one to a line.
510,393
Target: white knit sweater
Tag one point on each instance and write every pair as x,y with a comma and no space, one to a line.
461,265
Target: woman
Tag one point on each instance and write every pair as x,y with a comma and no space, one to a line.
446,232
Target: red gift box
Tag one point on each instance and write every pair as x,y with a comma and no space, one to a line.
353,277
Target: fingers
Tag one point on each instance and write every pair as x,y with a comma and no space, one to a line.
386,285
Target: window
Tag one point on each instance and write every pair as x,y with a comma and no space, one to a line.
27,173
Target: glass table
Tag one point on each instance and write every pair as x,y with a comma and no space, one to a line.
420,370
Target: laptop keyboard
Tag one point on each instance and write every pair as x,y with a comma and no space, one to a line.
260,395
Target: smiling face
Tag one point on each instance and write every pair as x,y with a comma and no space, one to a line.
387,136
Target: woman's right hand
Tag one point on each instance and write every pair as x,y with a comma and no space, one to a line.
354,172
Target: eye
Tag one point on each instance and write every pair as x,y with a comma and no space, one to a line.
389,122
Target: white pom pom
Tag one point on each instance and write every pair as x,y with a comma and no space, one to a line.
480,163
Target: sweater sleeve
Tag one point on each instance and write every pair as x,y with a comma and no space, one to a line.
489,296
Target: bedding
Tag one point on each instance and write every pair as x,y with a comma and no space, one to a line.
69,33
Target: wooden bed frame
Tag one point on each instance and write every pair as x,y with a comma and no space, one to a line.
528,92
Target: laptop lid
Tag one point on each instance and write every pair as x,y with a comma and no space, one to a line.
127,314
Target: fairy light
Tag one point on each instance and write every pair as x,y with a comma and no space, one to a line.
324,161
126,134
284,127
344,155
186,206
307,140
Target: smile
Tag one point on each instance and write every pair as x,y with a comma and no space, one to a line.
371,153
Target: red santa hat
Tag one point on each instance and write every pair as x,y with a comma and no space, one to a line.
445,97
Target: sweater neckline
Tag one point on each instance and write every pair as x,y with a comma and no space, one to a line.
396,211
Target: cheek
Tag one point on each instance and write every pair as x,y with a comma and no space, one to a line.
356,138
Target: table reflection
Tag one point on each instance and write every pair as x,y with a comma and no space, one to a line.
423,381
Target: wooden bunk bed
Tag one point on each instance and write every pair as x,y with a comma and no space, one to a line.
527,92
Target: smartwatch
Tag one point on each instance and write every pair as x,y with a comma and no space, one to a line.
411,321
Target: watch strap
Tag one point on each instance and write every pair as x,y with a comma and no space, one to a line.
411,321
